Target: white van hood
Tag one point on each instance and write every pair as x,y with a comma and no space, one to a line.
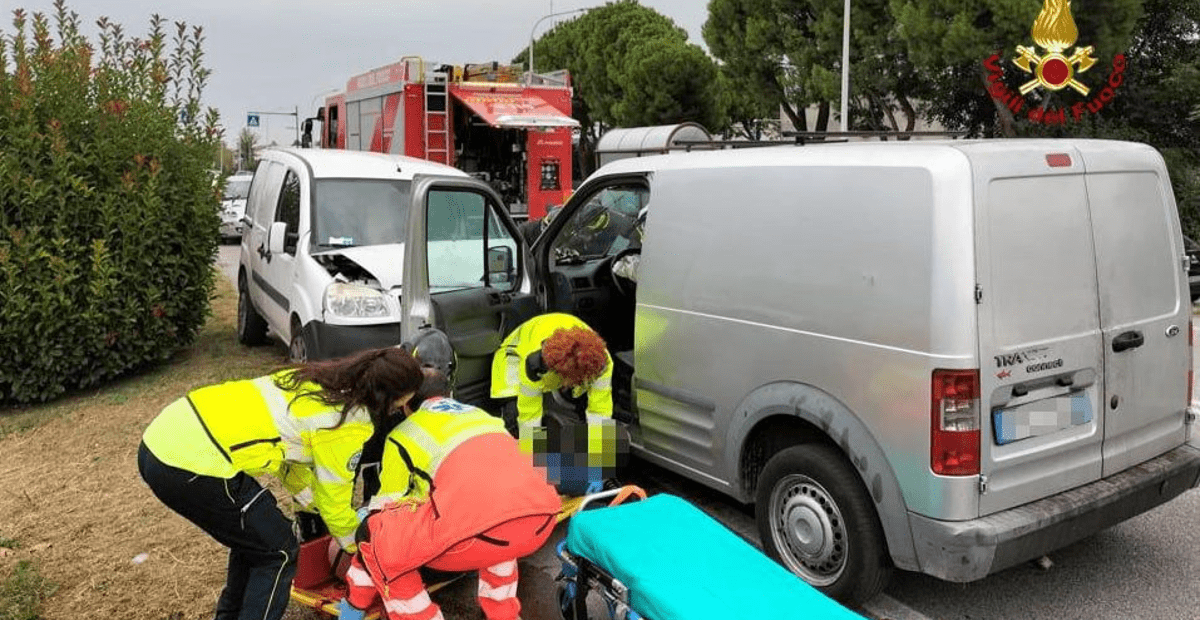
384,262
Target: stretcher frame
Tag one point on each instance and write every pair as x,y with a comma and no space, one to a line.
580,575
327,595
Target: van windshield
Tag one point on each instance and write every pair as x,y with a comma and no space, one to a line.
238,187
352,212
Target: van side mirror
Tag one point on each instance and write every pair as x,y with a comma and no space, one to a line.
306,133
275,237
500,264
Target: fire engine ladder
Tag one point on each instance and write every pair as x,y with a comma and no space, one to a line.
437,123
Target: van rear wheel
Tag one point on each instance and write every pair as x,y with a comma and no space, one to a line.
251,327
816,519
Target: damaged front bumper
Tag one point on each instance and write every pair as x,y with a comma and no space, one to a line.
329,341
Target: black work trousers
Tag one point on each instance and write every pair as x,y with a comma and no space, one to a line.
240,514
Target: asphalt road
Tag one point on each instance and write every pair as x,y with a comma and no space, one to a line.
1147,568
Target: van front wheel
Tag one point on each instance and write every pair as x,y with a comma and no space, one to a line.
299,350
251,327
816,519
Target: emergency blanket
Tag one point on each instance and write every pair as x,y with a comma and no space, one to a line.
679,563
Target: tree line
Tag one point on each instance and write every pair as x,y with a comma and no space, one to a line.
910,60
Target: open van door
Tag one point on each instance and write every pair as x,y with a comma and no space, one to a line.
465,273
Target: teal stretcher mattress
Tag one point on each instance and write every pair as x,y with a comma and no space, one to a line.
680,564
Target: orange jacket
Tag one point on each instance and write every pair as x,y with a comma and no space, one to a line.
484,482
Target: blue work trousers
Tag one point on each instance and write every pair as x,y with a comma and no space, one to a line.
240,514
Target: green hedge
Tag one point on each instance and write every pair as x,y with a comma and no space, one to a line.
108,226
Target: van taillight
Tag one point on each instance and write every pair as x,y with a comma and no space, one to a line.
954,449
1191,376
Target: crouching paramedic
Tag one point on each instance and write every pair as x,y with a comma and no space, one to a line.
305,425
456,494
554,352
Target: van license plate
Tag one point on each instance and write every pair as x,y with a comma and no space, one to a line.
1041,417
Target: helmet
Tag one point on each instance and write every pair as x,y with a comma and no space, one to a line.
432,349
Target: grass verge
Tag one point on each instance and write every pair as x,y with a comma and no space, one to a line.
22,593
79,510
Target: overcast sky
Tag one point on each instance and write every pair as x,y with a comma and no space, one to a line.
276,55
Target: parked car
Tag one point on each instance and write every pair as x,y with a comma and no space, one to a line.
1013,378
320,264
1193,252
233,204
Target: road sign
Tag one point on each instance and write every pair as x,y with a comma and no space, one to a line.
252,120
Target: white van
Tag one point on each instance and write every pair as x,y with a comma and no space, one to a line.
940,357
322,257
233,204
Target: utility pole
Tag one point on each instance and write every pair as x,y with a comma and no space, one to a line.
846,67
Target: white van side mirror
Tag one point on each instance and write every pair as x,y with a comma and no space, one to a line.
275,237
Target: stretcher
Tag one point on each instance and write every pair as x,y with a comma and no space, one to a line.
318,586
662,558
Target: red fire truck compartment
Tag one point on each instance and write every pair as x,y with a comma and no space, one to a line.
511,130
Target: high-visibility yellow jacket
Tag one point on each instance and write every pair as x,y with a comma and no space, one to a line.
509,376
417,446
253,426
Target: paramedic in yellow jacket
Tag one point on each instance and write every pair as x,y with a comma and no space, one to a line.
304,425
551,352
456,495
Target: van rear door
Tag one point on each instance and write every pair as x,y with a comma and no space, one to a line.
1040,344
1144,309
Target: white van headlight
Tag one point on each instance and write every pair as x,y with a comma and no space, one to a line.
353,300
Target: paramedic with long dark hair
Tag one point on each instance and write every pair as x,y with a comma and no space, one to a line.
305,425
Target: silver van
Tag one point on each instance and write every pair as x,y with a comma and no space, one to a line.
940,357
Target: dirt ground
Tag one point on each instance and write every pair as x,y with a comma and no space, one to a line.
71,497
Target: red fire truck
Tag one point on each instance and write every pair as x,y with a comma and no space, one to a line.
510,129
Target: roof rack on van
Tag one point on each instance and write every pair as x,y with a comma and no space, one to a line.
820,136
623,142
806,137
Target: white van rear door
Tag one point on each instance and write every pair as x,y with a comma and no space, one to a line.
1144,307
1041,372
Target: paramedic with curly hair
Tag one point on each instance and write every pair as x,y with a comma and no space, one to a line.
551,352
305,425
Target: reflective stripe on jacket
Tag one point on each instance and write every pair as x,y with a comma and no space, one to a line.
510,379
420,444
261,429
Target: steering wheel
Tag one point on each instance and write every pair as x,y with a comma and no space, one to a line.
624,287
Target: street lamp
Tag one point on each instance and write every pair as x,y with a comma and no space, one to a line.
323,93
529,78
